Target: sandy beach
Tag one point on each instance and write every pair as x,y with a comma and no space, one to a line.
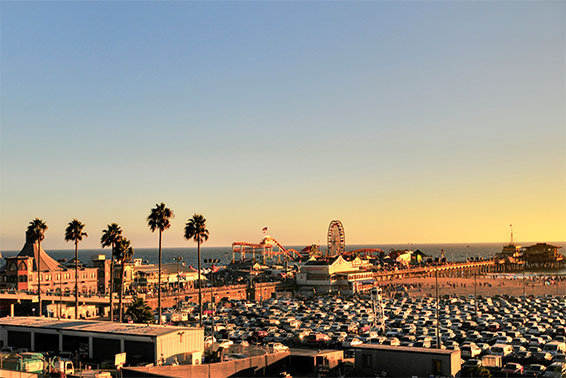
486,285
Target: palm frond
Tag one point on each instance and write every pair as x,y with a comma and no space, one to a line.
74,231
36,230
111,235
159,217
196,229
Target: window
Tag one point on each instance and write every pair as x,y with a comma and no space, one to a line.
436,367
366,361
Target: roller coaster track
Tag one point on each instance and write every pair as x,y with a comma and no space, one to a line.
265,246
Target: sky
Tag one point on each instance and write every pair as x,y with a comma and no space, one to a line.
436,121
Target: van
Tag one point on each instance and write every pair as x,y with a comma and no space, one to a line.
502,350
492,361
554,347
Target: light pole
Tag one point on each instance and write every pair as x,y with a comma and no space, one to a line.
178,259
212,298
61,261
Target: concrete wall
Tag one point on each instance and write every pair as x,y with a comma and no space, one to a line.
405,363
217,370
16,374
261,291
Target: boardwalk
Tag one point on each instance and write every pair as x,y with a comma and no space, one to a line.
464,269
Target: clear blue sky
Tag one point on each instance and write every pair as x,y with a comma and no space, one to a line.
409,121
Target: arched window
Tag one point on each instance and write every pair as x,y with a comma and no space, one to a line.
23,266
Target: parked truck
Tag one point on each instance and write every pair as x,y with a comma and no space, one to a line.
24,362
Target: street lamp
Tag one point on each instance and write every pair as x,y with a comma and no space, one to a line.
212,298
178,259
61,261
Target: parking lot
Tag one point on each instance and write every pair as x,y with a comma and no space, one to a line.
528,333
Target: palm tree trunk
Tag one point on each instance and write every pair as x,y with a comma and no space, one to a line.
159,282
112,285
39,276
76,279
121,290
199,287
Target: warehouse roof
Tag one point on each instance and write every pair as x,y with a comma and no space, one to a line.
92,326
392,348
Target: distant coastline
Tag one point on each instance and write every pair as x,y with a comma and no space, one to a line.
452,251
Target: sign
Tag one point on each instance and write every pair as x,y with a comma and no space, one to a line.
120,360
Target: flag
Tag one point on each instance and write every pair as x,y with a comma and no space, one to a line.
264,230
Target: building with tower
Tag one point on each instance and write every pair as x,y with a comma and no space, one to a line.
21,273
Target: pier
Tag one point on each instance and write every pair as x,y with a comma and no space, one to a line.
464,269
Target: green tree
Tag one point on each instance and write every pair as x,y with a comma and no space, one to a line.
109,238
123,254
74,232
36,233
196,229
139,311
158,219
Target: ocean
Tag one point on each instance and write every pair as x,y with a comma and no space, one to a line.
452,251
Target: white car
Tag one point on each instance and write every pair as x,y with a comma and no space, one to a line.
470,350
277,347
225,343
350,342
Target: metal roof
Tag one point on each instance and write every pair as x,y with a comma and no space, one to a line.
93,326
391,348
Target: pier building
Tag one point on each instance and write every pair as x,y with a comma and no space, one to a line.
334,274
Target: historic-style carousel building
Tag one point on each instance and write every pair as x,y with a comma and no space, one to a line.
21,273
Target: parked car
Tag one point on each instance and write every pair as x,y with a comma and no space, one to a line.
512,368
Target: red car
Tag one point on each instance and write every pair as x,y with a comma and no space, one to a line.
512,368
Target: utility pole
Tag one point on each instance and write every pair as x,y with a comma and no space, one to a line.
437,310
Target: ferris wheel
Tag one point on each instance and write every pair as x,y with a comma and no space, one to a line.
336,238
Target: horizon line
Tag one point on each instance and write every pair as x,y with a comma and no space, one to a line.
294,245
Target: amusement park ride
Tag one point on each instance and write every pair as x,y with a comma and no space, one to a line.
270,249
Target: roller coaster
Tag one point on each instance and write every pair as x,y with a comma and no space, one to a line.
268,249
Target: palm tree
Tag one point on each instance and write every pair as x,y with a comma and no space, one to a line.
139,311
35,234
196,229
74,232
123,254
110,236
158,219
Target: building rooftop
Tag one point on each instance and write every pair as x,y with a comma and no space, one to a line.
313,352
325,261
92,326
406,349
